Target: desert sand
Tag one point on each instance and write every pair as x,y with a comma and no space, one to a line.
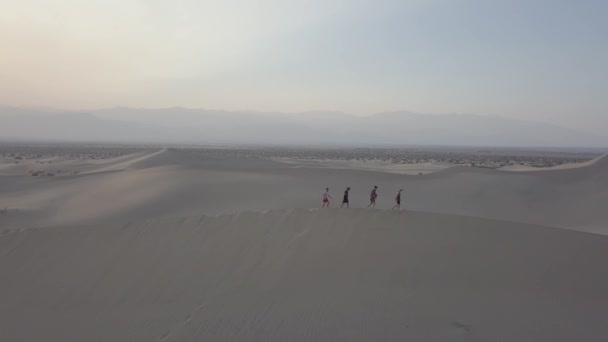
181,245
186,182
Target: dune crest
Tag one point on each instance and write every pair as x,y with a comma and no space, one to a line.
186,182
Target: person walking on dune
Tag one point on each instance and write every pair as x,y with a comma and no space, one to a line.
345,198
372,197
326,198
398,200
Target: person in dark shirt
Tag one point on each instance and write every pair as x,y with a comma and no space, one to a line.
398,200
345,198
372,197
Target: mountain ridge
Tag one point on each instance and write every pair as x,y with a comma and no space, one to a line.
184,125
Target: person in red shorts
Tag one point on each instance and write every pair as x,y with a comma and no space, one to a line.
326,198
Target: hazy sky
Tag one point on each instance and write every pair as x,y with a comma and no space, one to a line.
536,59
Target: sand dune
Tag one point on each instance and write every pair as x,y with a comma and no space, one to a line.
302,275
61,166
185,182
591,163
131,249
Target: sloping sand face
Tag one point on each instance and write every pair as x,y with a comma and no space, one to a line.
304,275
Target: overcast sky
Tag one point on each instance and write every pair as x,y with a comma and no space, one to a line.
543,60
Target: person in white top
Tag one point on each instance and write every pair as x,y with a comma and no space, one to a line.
326,198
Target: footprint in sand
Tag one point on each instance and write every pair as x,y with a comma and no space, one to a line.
164,337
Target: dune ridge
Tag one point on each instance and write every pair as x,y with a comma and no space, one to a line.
170,182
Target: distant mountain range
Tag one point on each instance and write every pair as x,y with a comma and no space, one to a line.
199,126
